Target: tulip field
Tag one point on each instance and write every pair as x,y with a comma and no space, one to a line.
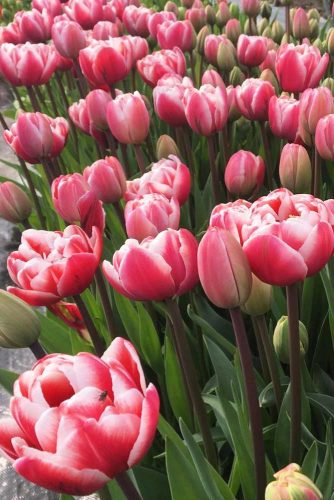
173,188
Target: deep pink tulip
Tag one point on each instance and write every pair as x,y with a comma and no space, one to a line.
283,116
157,268
135,20
206,109
69,38
158,18
128,118
314,104
250,7
49,266
28,64
169,177
10,34
97,102
150,214
53,7
300,67
253,98
35,136
232,216
213,78
197,17
15,205
223,269
105,29
180,34
64,64
244,174
67,412
251,50
85,12
211,46
66,192
35,26
152,67
168,100
106,179
324,137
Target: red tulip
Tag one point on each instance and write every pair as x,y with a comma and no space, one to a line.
252,50
253,98
15,205
85,12
28,64
223,269
35,136
136,19
232,216
211,77
105,29
283,116
180,34
169,177
69,313
152,67
158,18
250,7
97,102
244,174
157,268
300,67
324,137
49,266
35,26
106,179
168,100
128,118
69,38
67,413
206,109
314,104
150,214
53,7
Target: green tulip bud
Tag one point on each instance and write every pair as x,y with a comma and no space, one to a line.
313,14
210,15
226,57
268,76
281,339
266,10
291,484
236,76
259,301
329,83
166,146
234,9
314,28
262,25
202,34
277,31
267,32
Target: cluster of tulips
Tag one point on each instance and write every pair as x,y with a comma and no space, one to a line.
175,203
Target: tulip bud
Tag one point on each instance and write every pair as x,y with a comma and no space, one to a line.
295,170
251,7
244,174
313,14
235,11
248,30
267,32
203,33
320,45
330,42
223,15
300,25
166,146
233,30
181,12
329,83
236,76
226,59
19,324
262,25
277,31
15,205
269,76
314,28
281,339
259,301
210,15
171,7
266,10
291,484
213,78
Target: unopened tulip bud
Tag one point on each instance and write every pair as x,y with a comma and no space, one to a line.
187,3
324,137
15,205
314,28
244,174
19,324
330,42
210,15
223,15
262,25
251,7
181,13
320,45
203,33
266,10
212,77
259,301
281,339
277,31
329,83
166,146
313,14
286,2
248,30
226,57
300,25
233,30
295,170
237,77
235,11
291,484
267,32
171,7
269,76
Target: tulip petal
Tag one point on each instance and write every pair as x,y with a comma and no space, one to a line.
46,429
318,247
26,413
78,274
32,297
9,430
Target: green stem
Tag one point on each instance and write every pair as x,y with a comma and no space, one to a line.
126,163
33,99
295,376
140,158
190,378
316,173
120,214
127,486
214,170
287,23
108,312
37,350
62,90
104,493
252,400
52,100
98,343
267,154
18,97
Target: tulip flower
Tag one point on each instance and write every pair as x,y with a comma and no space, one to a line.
244,174
197,17
69,38
66,192
157,268
211,45
59,442
291,484
233,30
300,24
70,314
150,214
180,34
281,339
128,118
168,101
103,30
35,26
283,113
295,170
53,7
206,109
253,98
212,77
324,137
223,14
136,19
233,110
250,7
106,179
49,266
153,66
85,12
269,61
314,104
300,67
232,216
35,136
15,205
79,115
97,102
10,34
251,50
158,18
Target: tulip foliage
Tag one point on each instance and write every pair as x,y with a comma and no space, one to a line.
174,191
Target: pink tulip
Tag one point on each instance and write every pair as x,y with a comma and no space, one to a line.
169,177
291,483
223,13
211,77
85,12
105,29
233,30
49,266
295,170
283,116
35,136
232,216
152,67
300,24
197,17
10,34
136,19
139,47
97,102
211,46
15,205
155,269
78,113
324,137
250,7
233,110
35,26
69,313
168,101
69,38
106,179
27,64
244,174
180,34
269,61
223,269
206,109
156,19
251,50
128,118
253,98
59,441
314,105
150,214
53,7
66,192
300,67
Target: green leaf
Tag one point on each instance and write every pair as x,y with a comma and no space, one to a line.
129,317
310,462
325,481
55,335
149,340
326,403
64,496
223,368
152,484
7,379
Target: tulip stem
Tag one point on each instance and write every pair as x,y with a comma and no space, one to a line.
120,214
140,158
18,97
33,99
287,23
80,81
62,90
316,173
37,350
252,400
295,370
190,378
108,312
98,343
127,486
52,100
214,170
111,143
267,155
